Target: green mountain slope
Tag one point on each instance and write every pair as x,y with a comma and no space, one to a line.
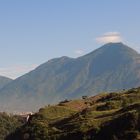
112,67
108,116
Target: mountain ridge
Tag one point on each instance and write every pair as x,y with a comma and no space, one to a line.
114,66
4,81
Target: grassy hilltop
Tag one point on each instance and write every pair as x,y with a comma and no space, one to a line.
108,116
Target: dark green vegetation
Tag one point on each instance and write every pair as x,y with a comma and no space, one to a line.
4,81
8,124
112,67
114,116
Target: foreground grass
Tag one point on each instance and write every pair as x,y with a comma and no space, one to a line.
109,116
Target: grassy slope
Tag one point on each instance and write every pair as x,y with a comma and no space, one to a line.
111,116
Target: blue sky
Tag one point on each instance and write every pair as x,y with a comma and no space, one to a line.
34,31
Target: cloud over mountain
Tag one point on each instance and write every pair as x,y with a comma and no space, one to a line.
109,37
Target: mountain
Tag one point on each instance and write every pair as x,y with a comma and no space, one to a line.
4,81
114,66
110,116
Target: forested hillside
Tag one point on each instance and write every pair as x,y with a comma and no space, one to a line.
108,116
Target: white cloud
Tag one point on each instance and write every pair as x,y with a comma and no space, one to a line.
109,37
16,71
79,52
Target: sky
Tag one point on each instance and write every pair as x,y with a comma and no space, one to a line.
34,31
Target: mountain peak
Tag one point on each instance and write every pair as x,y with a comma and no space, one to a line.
120,48
110,57
115,43
118,45
111,50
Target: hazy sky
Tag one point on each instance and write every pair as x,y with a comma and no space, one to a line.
33,31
